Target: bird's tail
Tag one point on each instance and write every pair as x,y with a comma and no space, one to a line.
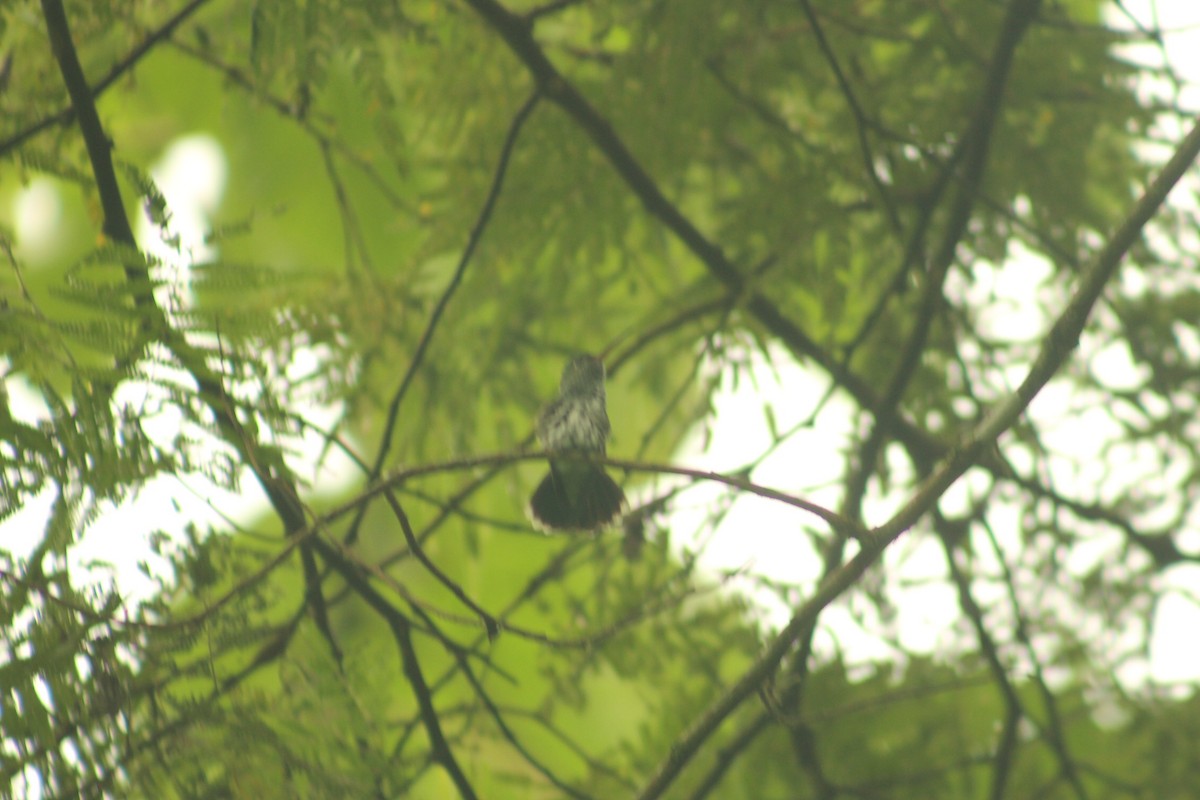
578,497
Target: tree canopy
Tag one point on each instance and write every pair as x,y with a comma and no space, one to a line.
950,217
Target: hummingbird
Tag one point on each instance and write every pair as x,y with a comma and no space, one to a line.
576,494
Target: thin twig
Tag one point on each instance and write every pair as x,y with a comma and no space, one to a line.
860,118
473,239
64,116
1006,744
489,622
1052,729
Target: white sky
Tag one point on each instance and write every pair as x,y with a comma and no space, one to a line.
758,536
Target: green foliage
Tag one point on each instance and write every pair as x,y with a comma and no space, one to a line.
818,155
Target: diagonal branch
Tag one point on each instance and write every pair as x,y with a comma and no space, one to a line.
975,151
442,754
1052,728
860,118
267,466
518,34
473,239
402,627
120,68
116,223
1006,742
489,622
972,153
1056,346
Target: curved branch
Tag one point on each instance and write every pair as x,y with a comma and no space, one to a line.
401,627
500,459
473,239
489,622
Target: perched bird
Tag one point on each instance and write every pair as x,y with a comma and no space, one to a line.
576,494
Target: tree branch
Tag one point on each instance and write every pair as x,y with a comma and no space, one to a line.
473,239
120,68
269,470
489,622
402,631
401,628
398,478
860,118
975,151
116,223
1057,345
518,34
1006,745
